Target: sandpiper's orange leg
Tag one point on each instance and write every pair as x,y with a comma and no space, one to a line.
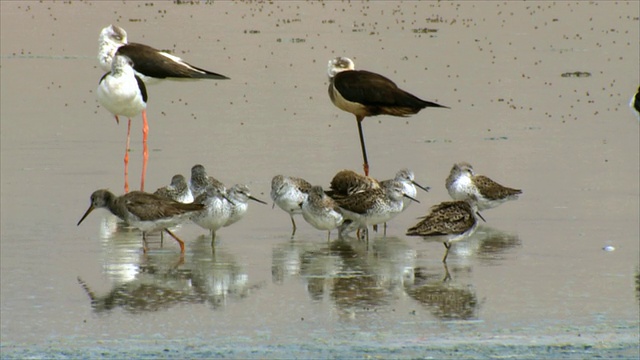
177,239
126,160
364,149
145,150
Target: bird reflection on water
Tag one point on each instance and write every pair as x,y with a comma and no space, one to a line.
357,277
160,280
488,245
351,274
446,299
354,276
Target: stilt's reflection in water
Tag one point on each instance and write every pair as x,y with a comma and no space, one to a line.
353,275
161,279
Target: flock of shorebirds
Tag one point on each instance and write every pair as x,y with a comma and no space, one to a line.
354,202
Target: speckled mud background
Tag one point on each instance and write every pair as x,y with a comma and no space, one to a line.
538,94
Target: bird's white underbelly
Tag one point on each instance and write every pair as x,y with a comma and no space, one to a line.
215,214
290,201
346,105
462,188
325,220
121,99
159,224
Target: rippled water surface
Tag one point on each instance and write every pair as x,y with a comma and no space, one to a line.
538,94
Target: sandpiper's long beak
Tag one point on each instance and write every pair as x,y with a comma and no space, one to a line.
258,200
427,188
224,196
90,209
409,197
480,216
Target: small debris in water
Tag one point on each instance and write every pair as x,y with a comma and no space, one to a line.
577,74
608,248
424,30
496,138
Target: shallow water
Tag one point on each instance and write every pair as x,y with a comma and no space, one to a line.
535,273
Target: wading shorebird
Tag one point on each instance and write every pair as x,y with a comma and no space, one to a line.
348,182
463,184
364,93
407,179
123,93
222,210
200,181
215,213
371,207
147,212
447,222
178,190
288,192
321,211
239,196
150,64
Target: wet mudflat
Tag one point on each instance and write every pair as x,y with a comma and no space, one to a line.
538,95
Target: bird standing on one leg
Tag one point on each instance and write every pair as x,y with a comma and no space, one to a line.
364,93
321,211
288,192
371,206
448,222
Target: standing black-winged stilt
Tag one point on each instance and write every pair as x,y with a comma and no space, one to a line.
150,64
123,93
364,93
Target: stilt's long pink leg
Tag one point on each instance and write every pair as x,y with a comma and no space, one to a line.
145,150
364,149
126,159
